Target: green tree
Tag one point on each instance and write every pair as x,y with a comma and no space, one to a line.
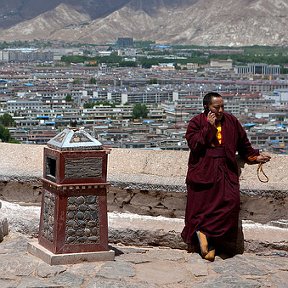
92,81
153,81
68,98
7,120
139,111
77,81
89,105
127,64
4,134
147,63
99,103
177,67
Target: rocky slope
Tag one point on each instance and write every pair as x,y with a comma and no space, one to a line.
201,22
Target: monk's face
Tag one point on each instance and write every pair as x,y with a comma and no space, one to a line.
217,106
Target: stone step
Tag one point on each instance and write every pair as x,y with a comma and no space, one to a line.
133,229
282,223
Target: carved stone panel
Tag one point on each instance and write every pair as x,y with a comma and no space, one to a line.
47,230
82,220
88,167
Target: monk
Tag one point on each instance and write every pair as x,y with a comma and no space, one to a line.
213,195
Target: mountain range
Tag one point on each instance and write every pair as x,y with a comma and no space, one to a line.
199,22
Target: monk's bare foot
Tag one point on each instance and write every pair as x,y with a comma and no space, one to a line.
210,256
203,243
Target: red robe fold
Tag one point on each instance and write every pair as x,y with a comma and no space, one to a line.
213,196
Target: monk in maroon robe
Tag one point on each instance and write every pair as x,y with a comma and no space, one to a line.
213,196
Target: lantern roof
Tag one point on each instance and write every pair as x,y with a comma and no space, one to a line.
74,139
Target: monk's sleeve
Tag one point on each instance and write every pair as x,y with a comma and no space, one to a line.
245,149
199,135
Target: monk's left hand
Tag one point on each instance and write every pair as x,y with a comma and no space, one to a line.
263,158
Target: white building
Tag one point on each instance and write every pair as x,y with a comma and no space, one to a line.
223,64
258,68
279,96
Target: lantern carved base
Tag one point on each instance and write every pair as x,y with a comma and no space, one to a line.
73,218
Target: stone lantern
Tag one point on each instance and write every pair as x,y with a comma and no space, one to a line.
73,220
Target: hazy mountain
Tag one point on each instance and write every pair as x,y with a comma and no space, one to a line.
203,22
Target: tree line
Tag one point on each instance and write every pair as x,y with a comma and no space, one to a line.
193,54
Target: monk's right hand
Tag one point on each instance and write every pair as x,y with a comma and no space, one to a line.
211,118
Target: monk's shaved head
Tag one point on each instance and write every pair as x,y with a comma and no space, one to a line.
208,98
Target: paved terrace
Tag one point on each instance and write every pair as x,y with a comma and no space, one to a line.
146,203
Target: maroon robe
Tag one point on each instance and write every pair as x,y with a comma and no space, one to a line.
213,196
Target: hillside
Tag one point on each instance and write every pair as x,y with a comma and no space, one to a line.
201,22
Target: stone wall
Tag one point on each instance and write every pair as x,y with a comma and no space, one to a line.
148,182
3,225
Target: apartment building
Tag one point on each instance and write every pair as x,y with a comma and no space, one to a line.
279,96
25,55
145,96
258,68
41,135
270,140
